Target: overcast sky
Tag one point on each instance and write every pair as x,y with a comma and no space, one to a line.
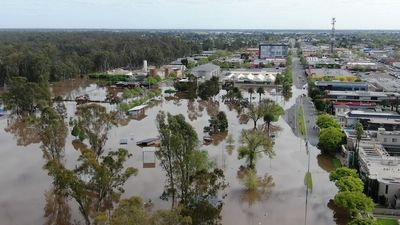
200,14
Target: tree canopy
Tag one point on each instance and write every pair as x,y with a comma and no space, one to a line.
330,139
254,142
191,179
327,121
355,202
342,172
364,221
350,183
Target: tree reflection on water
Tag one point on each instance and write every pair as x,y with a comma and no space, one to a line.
260,192
24,130
56,210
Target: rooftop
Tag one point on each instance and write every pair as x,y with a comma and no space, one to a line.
209,67
378,163
323,83
330,72
358,93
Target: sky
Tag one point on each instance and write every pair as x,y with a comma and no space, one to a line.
200,14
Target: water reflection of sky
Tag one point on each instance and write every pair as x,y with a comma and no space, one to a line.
23,182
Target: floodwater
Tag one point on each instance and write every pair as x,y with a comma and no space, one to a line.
26,187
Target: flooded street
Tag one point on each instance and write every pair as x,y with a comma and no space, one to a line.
23,182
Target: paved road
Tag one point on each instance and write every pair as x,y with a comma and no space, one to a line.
310,113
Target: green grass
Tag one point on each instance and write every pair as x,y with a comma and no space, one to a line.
387,221
336,163
301,126
308,181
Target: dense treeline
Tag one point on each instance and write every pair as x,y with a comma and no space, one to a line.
57,55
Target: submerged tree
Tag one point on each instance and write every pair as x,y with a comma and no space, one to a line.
254,142
134,211
209,88
94,123
56,210
191,180
271,112
255,113
260,91
52,132
24,96
95,184
218,123
251,92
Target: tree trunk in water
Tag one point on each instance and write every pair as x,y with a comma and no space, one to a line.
255,124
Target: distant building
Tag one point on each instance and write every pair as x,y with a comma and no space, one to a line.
120,71
358,96
179,70
252,75
206,71
350,118
362,66
315,62
334,73
253,51
273,51
342,108
341,86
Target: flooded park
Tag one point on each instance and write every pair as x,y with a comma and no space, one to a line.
26,197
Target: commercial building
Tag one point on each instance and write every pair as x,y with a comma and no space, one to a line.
350,118
330,73
341,86
379,166
342,108
362,66
206,71
315,62
273,51
251,75
356,96
380,173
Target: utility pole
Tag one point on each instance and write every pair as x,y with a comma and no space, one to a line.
333,35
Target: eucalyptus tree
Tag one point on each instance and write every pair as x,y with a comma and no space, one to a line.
254,143
191,179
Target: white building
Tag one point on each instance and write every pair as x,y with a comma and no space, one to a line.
381,174
251,76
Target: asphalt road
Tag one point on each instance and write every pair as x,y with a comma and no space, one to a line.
310,113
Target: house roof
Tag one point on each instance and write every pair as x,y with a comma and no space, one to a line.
137,108
209,67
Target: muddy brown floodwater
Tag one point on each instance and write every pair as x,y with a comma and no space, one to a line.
25,186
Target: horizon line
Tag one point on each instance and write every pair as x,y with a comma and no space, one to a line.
210,29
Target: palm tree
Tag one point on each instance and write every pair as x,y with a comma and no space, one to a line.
260,91
254,142
255,113
359,133
268,118
251,92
